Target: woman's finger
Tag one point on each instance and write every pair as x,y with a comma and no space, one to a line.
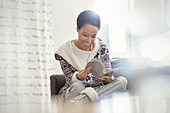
84,73
87,71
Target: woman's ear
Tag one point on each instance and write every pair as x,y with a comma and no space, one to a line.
77,29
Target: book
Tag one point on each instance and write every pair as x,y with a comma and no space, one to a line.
99,69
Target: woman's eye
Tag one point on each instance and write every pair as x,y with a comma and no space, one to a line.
85,35
93,36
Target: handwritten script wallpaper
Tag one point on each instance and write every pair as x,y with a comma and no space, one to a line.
26,52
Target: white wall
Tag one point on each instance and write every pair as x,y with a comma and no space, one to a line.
65,13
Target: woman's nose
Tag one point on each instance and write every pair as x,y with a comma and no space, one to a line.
89,39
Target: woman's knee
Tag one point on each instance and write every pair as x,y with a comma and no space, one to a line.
77,87
91,93
123,81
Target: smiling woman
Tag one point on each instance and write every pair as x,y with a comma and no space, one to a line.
87,30
86,36
81,85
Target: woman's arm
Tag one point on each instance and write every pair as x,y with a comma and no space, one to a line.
67,69
103,55
104,58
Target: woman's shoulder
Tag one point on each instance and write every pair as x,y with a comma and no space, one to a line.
102,43
65,44
62,49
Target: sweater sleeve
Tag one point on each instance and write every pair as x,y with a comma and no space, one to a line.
67,69
103,55
106,58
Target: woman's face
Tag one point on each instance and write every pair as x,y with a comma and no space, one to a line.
86,36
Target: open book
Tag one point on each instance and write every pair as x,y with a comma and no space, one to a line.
99,68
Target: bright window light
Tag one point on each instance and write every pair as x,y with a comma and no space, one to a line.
137,24
113,13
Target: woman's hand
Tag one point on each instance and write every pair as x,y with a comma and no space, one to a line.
105,79
84,73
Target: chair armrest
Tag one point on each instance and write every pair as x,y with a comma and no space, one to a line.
56,82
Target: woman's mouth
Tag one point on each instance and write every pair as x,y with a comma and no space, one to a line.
86,44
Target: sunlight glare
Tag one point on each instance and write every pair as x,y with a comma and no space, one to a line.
122,104
156,48
137,24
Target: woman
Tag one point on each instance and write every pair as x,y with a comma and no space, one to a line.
81,86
